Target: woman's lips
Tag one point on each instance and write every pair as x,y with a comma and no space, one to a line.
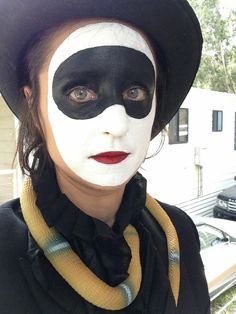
110,157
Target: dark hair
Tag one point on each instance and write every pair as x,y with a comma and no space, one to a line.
31,138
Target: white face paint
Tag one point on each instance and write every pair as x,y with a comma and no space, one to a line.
110,131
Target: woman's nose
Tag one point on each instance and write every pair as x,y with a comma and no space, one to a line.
115,121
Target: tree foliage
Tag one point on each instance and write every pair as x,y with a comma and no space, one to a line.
218,66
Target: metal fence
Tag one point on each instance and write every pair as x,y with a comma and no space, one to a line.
201,205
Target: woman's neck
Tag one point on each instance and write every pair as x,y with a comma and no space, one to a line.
95,201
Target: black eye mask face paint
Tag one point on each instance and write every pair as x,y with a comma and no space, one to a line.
109,73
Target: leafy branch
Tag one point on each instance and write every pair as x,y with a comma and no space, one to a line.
218,66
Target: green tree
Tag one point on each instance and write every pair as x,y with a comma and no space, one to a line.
218,66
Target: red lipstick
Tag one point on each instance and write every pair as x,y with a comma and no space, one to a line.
110,157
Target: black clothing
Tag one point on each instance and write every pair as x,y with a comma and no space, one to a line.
30,285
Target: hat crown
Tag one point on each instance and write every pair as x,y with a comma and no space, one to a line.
170,25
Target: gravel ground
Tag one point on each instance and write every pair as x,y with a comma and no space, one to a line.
229,297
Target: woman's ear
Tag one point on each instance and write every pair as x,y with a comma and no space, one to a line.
27,92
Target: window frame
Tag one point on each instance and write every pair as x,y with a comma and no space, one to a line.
174,131
217,120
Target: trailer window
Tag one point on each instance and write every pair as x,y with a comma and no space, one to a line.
217,121
178,127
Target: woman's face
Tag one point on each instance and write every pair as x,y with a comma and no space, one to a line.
97,102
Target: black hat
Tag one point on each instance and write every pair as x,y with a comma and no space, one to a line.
170,25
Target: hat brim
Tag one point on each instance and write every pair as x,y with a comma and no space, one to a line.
170,25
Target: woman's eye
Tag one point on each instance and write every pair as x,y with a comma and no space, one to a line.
82,94
135,94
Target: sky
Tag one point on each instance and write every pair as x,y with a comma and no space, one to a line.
228,4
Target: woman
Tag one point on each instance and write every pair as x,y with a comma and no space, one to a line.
92,82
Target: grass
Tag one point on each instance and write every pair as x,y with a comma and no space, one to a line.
219,302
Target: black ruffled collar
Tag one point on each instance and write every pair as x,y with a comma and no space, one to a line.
102,248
